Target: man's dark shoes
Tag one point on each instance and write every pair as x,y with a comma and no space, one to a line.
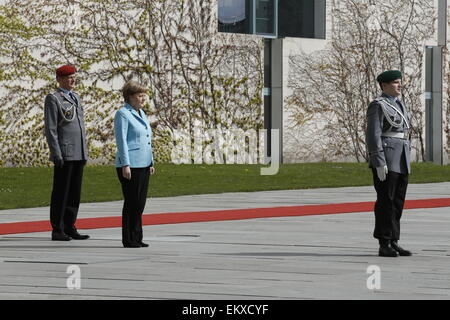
386,250
59,236
131,245
77,236
135,245
400,250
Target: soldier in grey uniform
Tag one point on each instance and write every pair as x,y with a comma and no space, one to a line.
389,148
66,138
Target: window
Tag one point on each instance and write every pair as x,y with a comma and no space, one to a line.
265,17
302,18
234,16
274,18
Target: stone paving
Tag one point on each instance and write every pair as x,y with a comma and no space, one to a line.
308,257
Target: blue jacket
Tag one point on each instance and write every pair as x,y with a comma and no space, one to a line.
133,138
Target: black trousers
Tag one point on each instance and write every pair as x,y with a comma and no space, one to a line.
391,195
135,195
66,193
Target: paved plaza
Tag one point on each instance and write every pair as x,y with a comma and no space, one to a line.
304,257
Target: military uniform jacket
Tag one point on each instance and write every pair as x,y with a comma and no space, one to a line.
386,124
64,126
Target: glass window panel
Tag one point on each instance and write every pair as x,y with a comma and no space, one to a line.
234,16
301,18
264,18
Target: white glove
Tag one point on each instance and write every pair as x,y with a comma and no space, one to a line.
382,172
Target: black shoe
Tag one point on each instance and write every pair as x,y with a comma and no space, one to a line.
400,250
60,236
132,245
77,236
144,245
387,251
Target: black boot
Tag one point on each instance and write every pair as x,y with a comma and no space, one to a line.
400,250
60,236
386,250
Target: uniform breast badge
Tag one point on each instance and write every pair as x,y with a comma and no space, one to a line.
66,109
393,116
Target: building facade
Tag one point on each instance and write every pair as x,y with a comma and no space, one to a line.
304,68
321,61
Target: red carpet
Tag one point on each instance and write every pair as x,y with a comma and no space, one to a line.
222,215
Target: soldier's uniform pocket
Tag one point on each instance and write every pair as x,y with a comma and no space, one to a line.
67,149
387,144
68,110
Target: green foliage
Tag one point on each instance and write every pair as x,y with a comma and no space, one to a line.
170,45
332,88
162,146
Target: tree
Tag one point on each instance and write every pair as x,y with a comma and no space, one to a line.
172,45
446,103
333,88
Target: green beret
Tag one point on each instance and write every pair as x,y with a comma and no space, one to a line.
389,76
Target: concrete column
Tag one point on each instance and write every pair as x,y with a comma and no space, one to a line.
437,116
442,23
277,93
434,133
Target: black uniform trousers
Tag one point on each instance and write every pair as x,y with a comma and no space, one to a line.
391,195
135,195
66,193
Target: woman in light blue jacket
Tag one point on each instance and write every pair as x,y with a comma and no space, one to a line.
134,161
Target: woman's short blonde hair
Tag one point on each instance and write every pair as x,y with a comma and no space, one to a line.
132,87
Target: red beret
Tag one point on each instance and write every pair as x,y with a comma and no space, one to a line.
66,70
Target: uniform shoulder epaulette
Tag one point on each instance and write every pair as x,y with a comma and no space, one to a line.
379,99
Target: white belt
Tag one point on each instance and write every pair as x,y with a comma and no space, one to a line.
398,135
